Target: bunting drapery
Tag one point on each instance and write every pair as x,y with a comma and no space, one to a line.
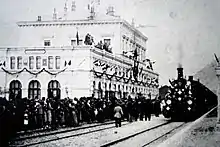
151,82
33,73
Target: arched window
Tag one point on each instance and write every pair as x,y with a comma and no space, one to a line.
54,89
34,90
15,89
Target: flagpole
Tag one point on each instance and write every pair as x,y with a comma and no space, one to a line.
77,36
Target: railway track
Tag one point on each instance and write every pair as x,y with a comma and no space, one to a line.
53,136
48,138
127,140
28,135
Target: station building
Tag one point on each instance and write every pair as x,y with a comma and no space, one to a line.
77,58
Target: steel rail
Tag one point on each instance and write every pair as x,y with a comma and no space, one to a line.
67,136
133,135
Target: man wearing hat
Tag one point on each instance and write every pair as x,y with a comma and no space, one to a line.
118,114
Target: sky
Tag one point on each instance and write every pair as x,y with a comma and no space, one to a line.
182,32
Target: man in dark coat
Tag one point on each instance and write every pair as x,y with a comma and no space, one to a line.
148,109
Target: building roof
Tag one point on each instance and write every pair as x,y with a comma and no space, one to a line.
101,19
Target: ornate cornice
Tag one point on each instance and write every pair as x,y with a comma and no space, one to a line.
78,23
67,22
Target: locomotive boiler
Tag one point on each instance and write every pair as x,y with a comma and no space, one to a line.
187,99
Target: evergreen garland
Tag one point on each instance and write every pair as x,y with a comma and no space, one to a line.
33,73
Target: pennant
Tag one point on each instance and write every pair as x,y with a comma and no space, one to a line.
77,37
102,64
216,58
88,6
69,62
171,83
141,69
96,61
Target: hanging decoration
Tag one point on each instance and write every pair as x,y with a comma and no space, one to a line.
101,68
67,63
2,63
33,73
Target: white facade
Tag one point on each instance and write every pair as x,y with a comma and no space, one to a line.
47,51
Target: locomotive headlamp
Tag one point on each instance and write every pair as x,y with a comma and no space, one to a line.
189,102
182,89
168,102
168,108
179,99
189,108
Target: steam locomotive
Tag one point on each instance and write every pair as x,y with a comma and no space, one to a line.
187,100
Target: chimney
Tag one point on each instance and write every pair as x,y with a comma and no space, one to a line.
110,11
92,13
54,14
180,73
38,18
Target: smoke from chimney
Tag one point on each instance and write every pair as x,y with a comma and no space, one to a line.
180,55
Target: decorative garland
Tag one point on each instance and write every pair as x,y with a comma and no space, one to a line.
149,82
98,74
33,73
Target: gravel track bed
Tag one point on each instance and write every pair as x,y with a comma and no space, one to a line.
148,136
102,137
56,136
157,142
199,135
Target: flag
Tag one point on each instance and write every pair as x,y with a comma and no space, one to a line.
65,63
102,64
171,83
77,37
95,62
216,58
88,7
69,62
141,69
135,53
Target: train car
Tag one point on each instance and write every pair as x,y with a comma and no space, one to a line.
187,99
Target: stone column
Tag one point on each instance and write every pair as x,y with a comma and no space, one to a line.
217,69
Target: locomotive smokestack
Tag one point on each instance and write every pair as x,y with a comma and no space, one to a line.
180,73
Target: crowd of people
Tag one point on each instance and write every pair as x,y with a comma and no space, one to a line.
18,114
